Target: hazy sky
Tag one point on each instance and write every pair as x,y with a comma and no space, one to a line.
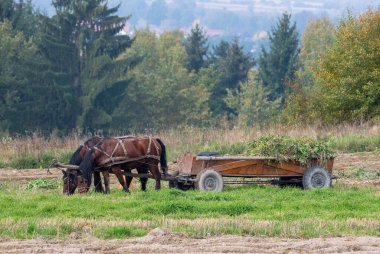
341,6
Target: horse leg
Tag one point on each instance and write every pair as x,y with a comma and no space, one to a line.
156,174
143,180
106,177
129,179
98,182
117,171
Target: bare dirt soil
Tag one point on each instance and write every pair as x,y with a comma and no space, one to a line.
162,241
368,160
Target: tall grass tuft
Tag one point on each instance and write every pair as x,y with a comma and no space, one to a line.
38,151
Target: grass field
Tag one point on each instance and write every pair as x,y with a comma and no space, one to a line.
247,210
39,208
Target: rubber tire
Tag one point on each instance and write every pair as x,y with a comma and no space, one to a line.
316,177
209,180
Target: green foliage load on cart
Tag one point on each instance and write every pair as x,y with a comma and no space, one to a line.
287,148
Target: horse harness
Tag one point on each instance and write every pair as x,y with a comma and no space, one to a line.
113,159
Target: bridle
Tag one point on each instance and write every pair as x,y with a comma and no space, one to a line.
68,182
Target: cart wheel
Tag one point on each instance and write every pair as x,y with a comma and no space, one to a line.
316,177
209,180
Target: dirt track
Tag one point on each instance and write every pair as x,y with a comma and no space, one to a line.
162,241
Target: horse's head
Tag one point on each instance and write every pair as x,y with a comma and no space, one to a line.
70,181
82,184
73,179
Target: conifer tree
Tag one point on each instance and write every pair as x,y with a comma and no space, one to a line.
196,48
278,66
82,42
21,15
252,103
28,101
7,10
232,66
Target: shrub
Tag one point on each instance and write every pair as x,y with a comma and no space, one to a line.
286,147
43,184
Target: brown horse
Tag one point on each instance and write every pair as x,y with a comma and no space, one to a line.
73,179
125,153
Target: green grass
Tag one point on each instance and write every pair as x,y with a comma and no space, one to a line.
359,173
28,160
252,210
44,184
119,232
356,143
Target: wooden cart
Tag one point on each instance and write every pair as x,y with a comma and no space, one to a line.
211,172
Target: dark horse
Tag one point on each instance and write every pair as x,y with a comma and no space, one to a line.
142,153
70,176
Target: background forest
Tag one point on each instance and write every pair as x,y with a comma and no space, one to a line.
76,69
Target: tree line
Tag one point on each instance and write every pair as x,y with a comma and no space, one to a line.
77,70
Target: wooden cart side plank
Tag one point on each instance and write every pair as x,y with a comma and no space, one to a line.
187,163
329,165
235,164
289,171
259,167
291,167
264,171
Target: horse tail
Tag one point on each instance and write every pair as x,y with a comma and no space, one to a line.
75,158
86,166
163,160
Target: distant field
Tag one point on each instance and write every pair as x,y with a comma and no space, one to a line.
239,210
36,151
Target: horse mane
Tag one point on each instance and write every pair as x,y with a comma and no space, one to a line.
86,166
75,158
93,141
163,160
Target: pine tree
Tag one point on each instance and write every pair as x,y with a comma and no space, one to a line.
28,101
278,66
21,15
7,10
232,66
82,42
196,48
252,103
